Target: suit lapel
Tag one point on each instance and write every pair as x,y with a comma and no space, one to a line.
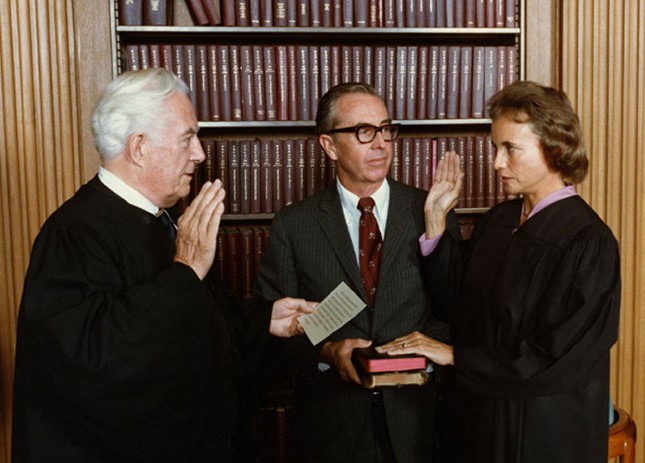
332,223
398,223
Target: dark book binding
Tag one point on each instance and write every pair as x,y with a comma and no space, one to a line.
130,12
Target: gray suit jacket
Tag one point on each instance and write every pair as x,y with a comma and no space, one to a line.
309,252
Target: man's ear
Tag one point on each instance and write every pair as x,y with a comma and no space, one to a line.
327,145
137,148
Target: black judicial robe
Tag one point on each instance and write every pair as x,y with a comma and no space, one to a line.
123,355
536,314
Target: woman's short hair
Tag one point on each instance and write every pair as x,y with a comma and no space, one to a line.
133,102
326,114
552,119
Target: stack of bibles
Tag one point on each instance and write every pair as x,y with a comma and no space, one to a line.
378,370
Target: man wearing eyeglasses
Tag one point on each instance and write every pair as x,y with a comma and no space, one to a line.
314,246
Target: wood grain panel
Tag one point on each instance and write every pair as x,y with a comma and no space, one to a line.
39,166
603,73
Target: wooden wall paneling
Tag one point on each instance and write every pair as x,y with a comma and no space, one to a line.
40,162
603,73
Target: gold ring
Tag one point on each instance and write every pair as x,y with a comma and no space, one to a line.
404,344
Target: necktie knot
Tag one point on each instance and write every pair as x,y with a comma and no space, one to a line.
167,222
365,205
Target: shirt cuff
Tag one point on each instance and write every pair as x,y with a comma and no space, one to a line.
427,246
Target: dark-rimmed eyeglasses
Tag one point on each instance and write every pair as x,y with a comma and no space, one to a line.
365,133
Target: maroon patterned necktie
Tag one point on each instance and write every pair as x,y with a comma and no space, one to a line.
369,248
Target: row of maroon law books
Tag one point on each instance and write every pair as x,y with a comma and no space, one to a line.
160,12
326,13
264,175
237,258
369,13
285,82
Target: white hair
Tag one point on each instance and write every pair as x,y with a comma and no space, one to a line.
133,102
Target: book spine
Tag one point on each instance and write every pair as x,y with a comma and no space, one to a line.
471,13
222,172
480,173
348,13
466,83
282,84
144,57
433,82
292,87
259,92
502,72
368,65
511,64
132,57
213,83
178,62
490,13
271,83
395,165
406,161
426,163
277,175
254,13
245,177
242,13
155,55
292,13
460,13
302,86
442,88
500,15
337,9
510,13
390,80
416,162
477,106
197,12
300,169
256,172
325,70
266,13
389,13
224,93
422,84
236,82
480,13
313,80
190,77
266,179
280,13
452,98
212,14
202,78
210,167
489,174
315,13
441,18
327,13
249,92
157,12
361,13
490,74
247,259
312,174
412,65
335,60
358,63
469,170
228,12
130,12
167,57
302,16
401,82
233,190
289,172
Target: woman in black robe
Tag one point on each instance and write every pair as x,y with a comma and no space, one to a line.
533,297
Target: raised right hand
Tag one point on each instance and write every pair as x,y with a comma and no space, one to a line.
443,195
197,229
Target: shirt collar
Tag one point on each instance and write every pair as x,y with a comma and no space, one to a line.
551,198
381,197
125,191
